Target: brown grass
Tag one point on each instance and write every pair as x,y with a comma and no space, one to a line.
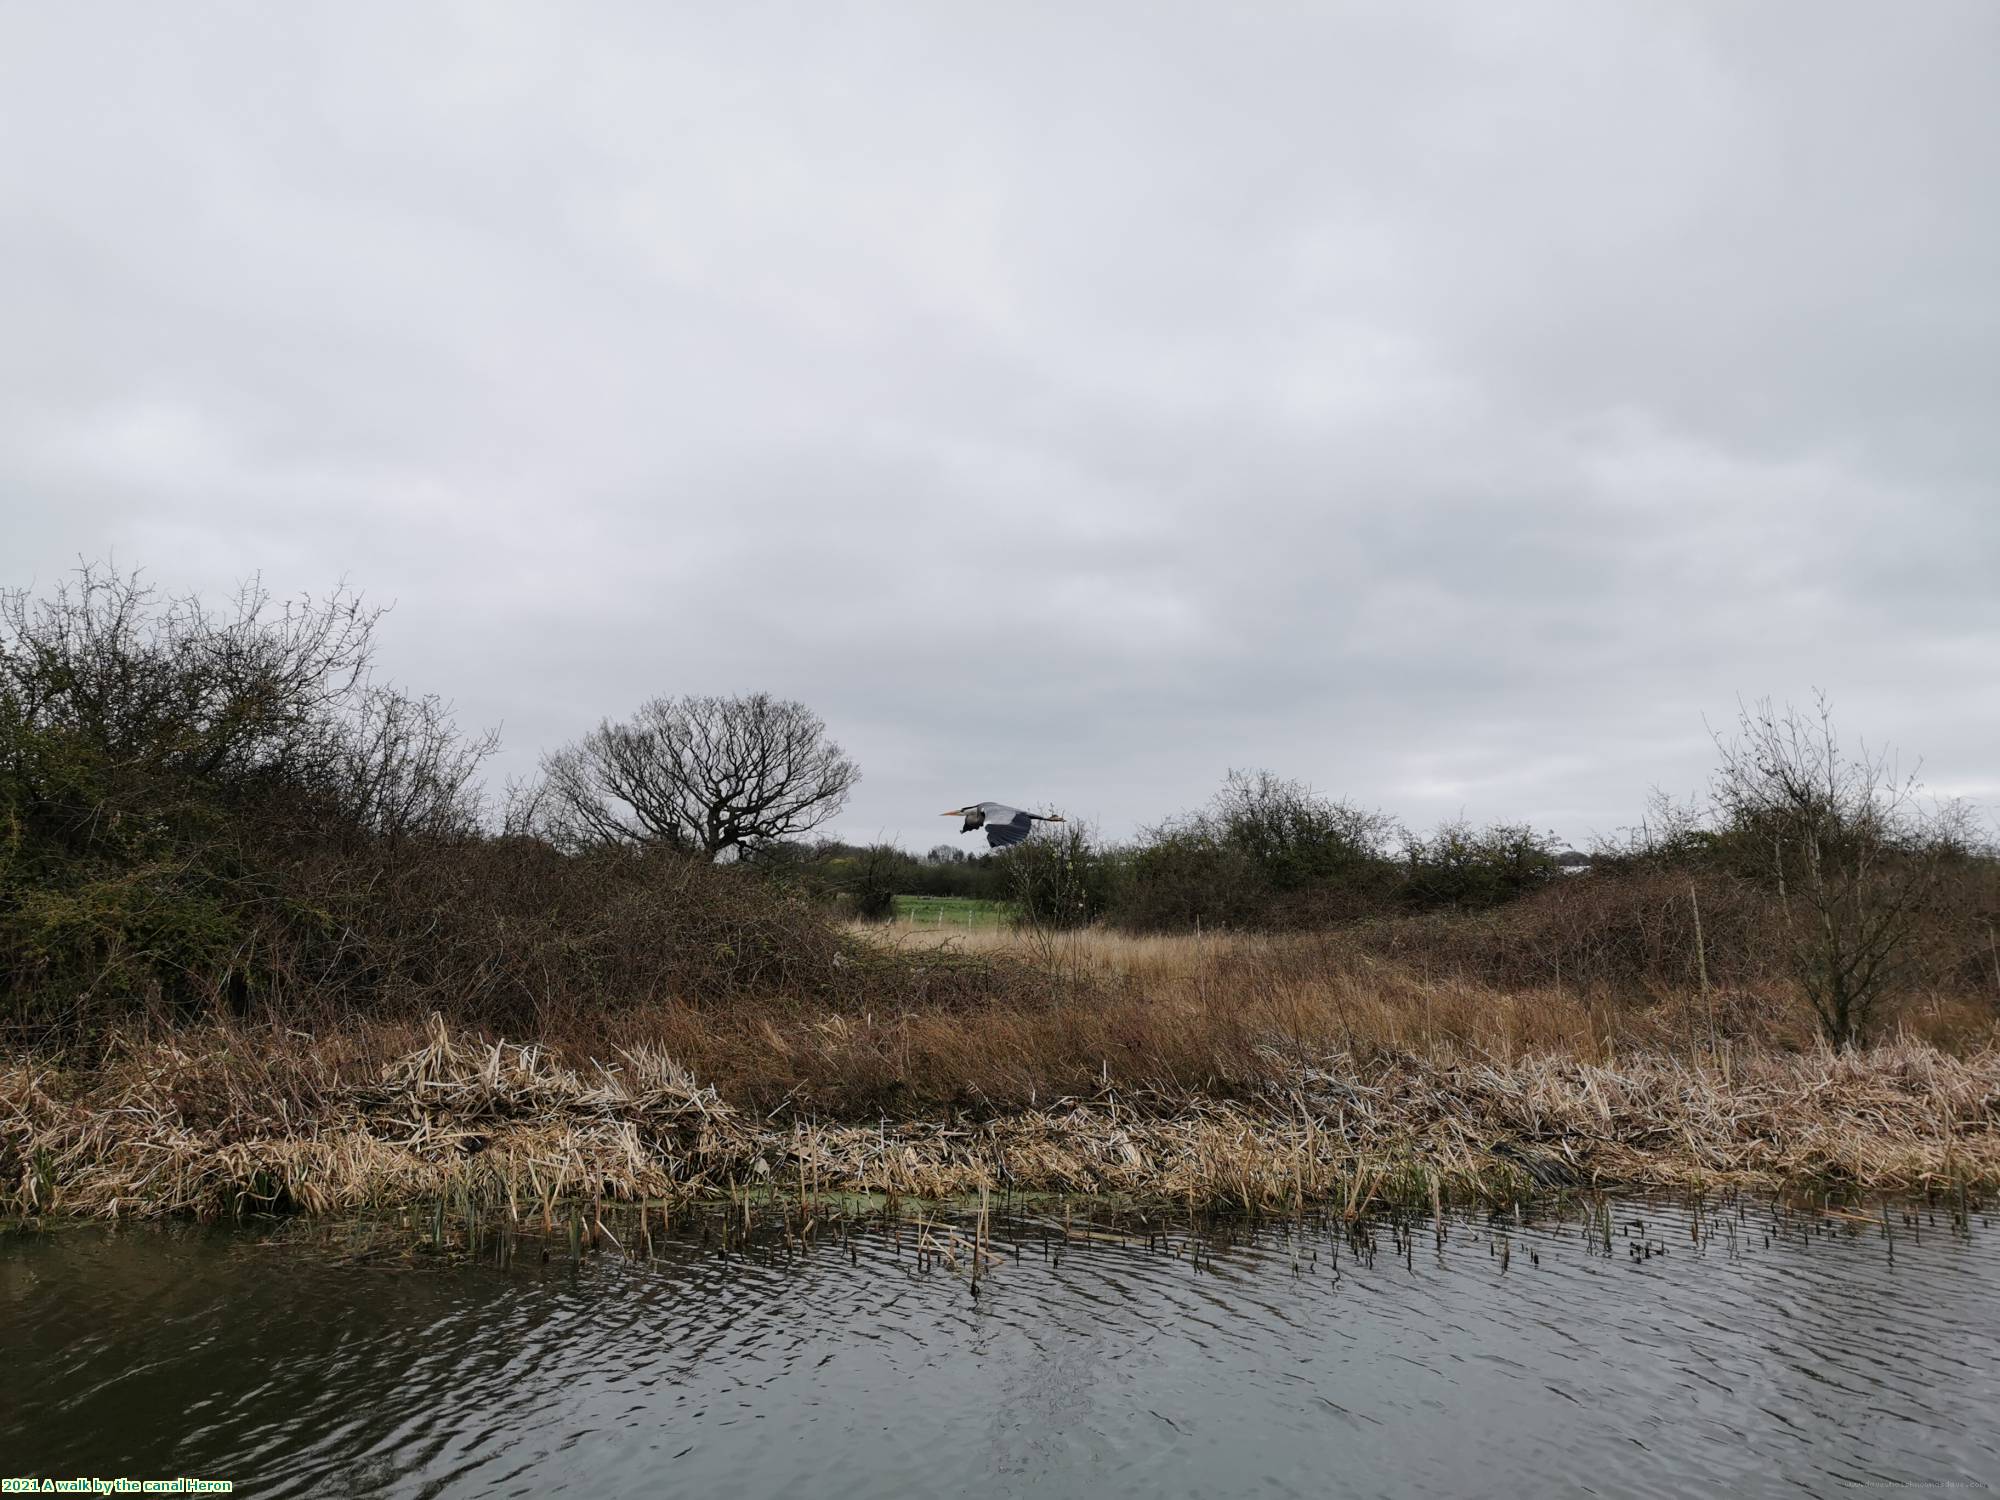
1250,1071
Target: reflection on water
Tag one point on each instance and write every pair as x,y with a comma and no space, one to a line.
1748,1352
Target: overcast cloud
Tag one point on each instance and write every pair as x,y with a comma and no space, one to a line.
1452,406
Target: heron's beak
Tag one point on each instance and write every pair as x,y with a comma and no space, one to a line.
952,812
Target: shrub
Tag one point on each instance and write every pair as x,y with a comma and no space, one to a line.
873,881
1853,855
1265,852
1465,867
163,769
1060,878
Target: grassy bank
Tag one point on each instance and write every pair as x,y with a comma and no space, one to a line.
1251,1072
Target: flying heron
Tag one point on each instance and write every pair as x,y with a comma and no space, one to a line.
1005,826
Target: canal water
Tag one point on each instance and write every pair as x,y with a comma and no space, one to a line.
1628,1348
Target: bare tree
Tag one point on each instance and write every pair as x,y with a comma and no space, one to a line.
698,773
1853,853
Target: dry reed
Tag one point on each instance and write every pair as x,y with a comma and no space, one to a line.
217,1121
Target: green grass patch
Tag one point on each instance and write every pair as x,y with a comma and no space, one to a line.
953,911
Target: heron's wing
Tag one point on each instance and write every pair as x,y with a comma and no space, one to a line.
1000,812
1006,835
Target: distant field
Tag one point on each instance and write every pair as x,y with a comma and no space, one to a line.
953,911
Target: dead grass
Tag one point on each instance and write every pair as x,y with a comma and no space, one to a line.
1256,1072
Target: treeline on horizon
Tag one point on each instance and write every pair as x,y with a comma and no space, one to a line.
224,809
1265,852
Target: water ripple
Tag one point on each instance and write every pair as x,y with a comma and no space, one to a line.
1749,1351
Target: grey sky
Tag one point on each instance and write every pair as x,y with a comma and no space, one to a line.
1447,405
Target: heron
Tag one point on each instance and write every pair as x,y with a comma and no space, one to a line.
1005,826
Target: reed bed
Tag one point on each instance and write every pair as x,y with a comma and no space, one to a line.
223,1120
